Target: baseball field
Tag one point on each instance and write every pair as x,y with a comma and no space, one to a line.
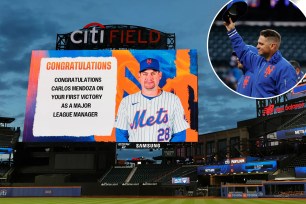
86,200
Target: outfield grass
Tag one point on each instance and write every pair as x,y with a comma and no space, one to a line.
83,200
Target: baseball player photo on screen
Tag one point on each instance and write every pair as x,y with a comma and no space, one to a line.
152,114
155,112
251,54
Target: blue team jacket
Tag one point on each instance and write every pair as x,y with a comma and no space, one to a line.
272,77
244,85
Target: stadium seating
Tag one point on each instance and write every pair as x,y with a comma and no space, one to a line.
183,171
116,175
4,168
285,173
298,161
274,157
151,172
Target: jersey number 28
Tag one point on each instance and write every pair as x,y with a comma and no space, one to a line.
163,134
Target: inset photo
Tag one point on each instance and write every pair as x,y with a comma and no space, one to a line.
254,47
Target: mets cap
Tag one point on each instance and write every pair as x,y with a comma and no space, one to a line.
149,63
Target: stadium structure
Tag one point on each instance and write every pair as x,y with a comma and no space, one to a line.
264,156
261,157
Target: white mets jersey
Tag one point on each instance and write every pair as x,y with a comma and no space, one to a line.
151,120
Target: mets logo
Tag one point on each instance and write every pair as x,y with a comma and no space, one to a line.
246,81
149,61
269,70
140,121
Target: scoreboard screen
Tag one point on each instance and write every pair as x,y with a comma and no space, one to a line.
77,96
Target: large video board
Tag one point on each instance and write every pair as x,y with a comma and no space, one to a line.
77,96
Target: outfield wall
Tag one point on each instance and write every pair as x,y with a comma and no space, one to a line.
269,189
72,191
131,189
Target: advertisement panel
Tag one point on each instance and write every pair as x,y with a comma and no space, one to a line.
300,171
213,169
180,180
97,96
69,191
249,167
235,160
242,195
291,133
262,166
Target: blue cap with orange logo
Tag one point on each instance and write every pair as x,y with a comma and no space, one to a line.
149,63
